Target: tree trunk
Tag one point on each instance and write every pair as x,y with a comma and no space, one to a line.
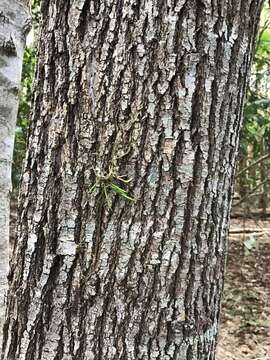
150,90
14,24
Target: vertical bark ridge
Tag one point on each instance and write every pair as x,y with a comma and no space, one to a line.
151,90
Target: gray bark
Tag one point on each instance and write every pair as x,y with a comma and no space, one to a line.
153,90
14,24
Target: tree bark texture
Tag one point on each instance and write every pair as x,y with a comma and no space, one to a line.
152,90
14,24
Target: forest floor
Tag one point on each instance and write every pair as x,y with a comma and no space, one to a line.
245,325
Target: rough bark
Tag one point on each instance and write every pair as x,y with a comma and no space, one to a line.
153,90
14,24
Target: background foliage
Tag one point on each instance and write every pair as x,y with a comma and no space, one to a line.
24,111
252,184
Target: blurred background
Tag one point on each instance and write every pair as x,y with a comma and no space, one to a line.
245,326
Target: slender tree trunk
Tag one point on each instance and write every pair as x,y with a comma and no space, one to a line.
263,201
14,24
152,90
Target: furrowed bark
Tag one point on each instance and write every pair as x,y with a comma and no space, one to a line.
152,90
14,24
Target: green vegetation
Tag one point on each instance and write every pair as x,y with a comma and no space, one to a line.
252,183
23,118
107,184
23,114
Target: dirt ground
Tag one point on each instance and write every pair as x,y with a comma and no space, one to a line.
245,326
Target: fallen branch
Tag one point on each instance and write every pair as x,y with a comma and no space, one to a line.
249,230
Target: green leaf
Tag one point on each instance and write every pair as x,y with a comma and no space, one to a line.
121,192
117,189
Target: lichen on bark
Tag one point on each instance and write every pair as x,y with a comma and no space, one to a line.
146,284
